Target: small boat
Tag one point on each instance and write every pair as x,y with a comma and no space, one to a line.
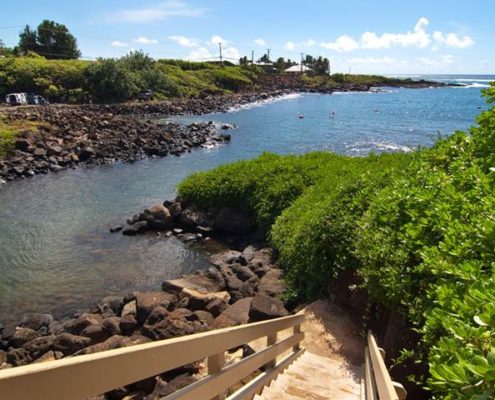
301,116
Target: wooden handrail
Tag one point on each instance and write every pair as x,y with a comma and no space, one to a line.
93,374
377,381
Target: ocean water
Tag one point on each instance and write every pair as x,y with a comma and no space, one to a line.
56,254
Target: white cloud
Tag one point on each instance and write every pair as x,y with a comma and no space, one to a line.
418,37
290,45
184,41
144,40
374,61
308,43
259,42
231,54
342,44
158,12
441,61
201,54
118,43
217,39
452,40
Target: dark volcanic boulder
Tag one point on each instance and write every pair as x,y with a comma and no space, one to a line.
22,336
18,357
158,217
97,333
69,344
86,153
201,282
147,301
265,307
227,257
192,217
136,228
36,321
177,323
128,324
272,283
77,325
234,221
116,303
111,343
39,346
199,300
236,314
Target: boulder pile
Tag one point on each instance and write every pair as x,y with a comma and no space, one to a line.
70,136
238,287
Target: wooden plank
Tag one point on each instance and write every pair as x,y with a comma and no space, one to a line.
362,384
271,339
369,380
88,375
257,384
384,385
297,329
215,364
210,386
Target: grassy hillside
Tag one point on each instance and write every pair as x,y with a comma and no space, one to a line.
418,229
118,79
113,80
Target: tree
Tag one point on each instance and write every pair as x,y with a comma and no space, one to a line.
243,61
51,40
321,66
264,59
28,40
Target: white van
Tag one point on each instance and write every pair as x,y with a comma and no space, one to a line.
16,99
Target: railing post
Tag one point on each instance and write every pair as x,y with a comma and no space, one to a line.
271,339
297,329
215,363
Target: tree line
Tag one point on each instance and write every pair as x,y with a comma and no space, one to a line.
318,66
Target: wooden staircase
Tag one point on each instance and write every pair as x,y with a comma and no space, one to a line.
312,377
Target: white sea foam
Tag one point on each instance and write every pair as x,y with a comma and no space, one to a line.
260,103
365,147
474,85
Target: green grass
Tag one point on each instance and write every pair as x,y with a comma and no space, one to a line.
10,130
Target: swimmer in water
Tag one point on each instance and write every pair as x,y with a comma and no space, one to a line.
332,115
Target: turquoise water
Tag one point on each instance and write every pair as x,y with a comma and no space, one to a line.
56,254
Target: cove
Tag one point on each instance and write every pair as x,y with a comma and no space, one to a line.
57,256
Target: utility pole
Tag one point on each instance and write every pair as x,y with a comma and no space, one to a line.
268,52
252,58
302,58
220,47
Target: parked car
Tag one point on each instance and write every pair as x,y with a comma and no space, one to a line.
145,95
16,99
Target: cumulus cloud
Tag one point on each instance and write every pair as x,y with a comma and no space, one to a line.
217,39
184,41
259,42
201,54
290,45
231,53
144,40
374,61
444,60
452,40
118,43
157,12
418,37
342,44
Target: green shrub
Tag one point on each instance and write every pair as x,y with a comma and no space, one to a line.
418,229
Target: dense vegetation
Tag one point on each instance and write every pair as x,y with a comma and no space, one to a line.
117,79
418,229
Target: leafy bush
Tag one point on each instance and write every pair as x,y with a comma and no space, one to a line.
419,229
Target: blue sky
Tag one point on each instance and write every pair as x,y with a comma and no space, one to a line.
367,36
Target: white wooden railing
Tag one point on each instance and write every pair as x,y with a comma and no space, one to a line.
93,374
376,382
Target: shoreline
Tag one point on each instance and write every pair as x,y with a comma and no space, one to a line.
241,285
68,136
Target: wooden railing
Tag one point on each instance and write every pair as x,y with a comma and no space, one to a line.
375,381
89,375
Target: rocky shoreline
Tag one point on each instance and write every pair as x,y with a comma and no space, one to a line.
240,285
68,136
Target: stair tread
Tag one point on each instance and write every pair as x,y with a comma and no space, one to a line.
312,377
